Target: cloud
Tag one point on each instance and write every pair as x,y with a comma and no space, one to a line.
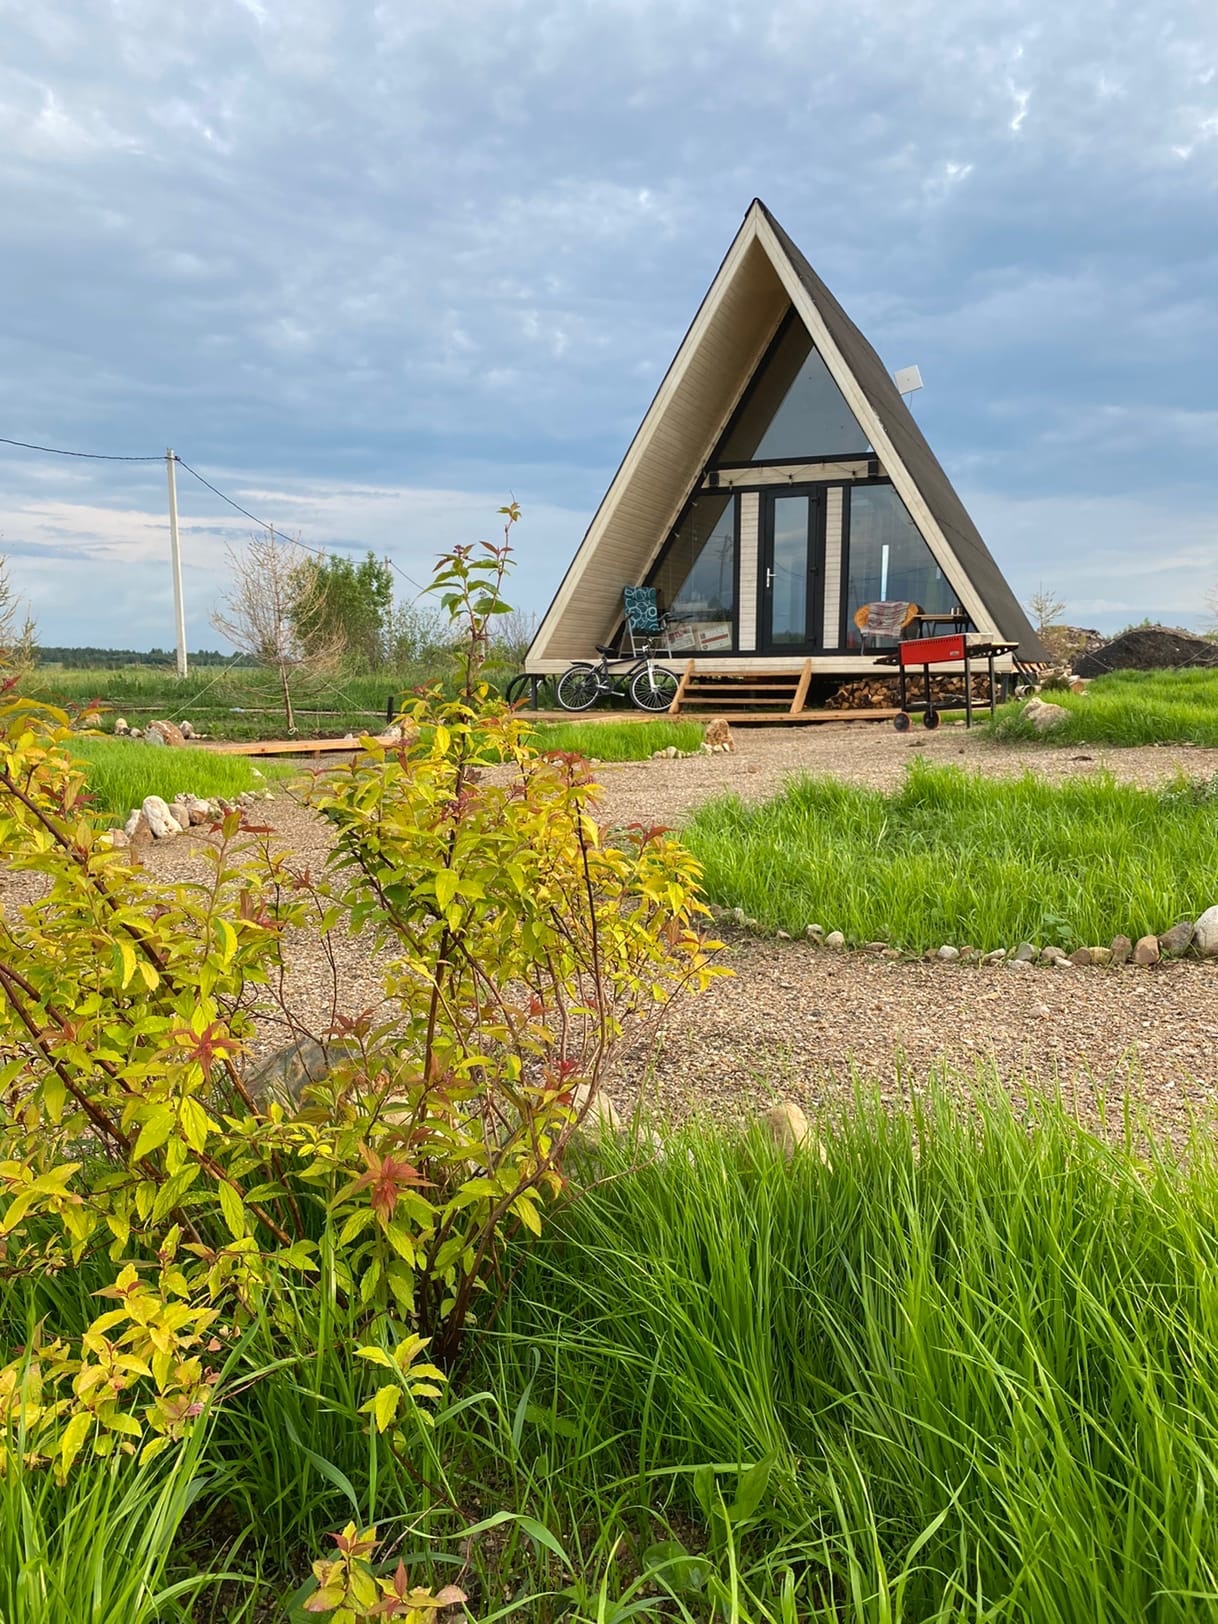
80,563
452,248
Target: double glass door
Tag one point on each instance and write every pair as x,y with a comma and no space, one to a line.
792,572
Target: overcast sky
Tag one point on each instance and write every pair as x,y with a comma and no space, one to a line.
375,268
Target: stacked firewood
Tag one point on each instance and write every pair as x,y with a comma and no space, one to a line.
880,693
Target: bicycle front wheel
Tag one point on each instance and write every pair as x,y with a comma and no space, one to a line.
653,688
578,688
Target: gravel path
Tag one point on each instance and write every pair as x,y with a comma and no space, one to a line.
798,1021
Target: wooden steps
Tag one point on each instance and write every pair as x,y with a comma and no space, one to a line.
755,693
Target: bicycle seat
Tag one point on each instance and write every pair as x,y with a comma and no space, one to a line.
609,653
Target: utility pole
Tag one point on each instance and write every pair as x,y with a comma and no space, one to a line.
175,555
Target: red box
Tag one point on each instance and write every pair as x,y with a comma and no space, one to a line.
931,650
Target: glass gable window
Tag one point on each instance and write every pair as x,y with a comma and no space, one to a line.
793,408
888,559
696,577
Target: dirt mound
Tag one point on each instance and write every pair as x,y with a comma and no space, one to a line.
1065,644
1148,648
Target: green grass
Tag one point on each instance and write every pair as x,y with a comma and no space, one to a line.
1127,708
121,772
618,741
965,1369
954,857
971,1366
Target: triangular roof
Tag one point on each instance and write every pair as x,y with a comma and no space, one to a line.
762,277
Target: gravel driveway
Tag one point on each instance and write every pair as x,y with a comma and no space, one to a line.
799,1021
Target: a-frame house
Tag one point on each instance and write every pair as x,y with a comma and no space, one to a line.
777,483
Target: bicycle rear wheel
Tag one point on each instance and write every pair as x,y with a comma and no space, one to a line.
578,688
519,691
652,688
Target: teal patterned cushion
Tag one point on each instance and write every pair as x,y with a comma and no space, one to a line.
642,608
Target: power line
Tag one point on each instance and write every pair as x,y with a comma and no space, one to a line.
320,551
98,456
91,456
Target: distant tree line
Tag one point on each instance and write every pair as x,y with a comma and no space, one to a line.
89,658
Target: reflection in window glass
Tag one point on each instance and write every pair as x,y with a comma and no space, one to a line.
793,409
888,559
789,563
697,576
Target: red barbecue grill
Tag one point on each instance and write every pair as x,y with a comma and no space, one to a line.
924,652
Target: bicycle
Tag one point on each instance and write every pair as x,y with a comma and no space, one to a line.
524,686
651,687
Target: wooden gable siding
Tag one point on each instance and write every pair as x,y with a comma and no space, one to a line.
666,459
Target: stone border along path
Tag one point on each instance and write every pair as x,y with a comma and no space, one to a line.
798,1021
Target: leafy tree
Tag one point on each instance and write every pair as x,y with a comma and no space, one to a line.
345,602
271,595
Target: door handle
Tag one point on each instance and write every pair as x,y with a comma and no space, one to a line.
769,579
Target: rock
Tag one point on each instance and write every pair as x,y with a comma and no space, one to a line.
186,730
150,736
835,939
998,956
814,933
136,827
134,733
719,735
161,821
1081,957
1177,939
783,935
705,748
752,924
200,811
1205,934
399,733
598,1116
113,839
1100,955
1121,948
170,733
1026,952
891,953
1018,964
739,915
1048,954
1043,716
789,1129
1147,950
948,953
120,725
969,955
290,1070
876,947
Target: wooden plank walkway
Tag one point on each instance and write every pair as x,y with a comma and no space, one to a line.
316,748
